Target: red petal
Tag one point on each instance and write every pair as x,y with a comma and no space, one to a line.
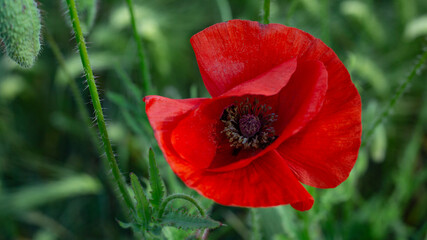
231,53
302,98
194,138
268,83
324,152
297,104
164,114
266,182
202,128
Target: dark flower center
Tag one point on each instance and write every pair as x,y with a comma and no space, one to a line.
248,124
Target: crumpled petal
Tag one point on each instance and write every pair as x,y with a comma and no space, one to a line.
296,104
165,113
268,83
266,182
324,152
201,129
195,138
231,53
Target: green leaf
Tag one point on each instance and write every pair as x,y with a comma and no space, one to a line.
127,82
365,16
143,209
125,225
131,225
32,196
182,220
416,28
378,146
119,100
156,183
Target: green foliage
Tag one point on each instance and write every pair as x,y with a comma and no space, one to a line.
127,225
363,14
143,208
369,70
156,183
183,220
20,30
150,218
416,28
30,197
255,225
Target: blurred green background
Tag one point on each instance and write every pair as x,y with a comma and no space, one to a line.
53,184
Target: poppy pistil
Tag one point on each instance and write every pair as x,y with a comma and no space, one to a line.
249,124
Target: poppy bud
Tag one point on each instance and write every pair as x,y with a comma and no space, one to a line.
20,30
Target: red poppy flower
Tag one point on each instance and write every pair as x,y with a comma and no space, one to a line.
283,111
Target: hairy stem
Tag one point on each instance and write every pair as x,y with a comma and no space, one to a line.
396,96
97,105
146,81
180,196
266,17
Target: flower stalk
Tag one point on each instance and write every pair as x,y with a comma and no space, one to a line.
146,81
266,17
183,197
400,90
97,105
224,10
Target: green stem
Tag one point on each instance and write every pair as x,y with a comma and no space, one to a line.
97,105
256,233
224,10
180,196
396,96
266,18
146,81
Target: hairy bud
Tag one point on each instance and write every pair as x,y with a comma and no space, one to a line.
20,30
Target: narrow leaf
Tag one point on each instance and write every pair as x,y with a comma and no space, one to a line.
32,196
143,209
181,220
125,225
156,183
135,227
